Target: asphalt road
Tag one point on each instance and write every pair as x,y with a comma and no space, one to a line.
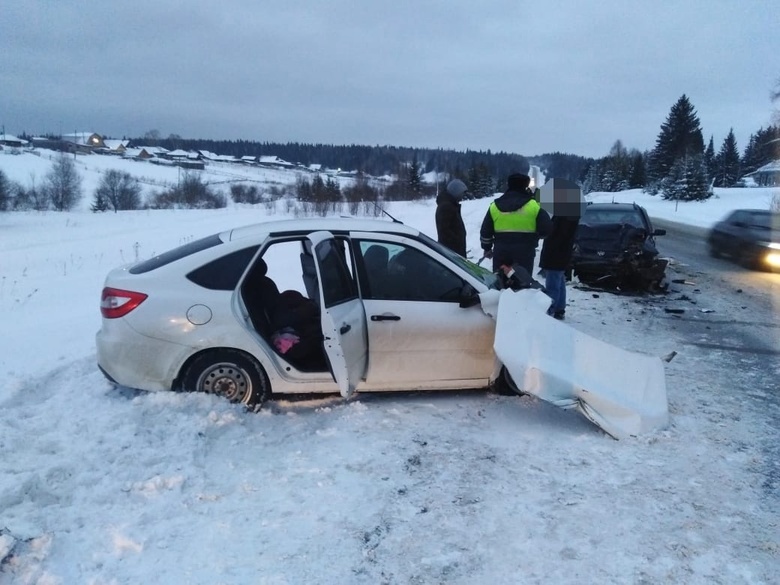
726,321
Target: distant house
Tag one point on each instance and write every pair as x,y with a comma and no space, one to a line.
84,141
274,162
116,146
180,154
12,141
144,152
767,176
249,160
197,165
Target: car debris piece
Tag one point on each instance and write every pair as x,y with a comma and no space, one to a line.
565,367
669,356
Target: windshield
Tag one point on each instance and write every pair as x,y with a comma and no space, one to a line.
483,274
600,216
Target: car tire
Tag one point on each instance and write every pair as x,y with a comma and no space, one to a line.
713,250
228,373
504,385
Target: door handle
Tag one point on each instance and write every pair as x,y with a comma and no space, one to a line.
345,328
385,318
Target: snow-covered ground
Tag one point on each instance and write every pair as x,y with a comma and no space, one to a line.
99,486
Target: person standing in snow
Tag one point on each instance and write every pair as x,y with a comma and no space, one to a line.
564,199
554,260
450,228
513,225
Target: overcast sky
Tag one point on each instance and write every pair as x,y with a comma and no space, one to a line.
526,77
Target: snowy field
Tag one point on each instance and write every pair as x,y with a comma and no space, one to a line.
104,487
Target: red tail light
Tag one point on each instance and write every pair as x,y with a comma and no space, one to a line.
115,303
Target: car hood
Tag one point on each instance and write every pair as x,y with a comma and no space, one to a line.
559,364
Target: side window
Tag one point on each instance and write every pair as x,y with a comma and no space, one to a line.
402,273
223,273
737,217
337,283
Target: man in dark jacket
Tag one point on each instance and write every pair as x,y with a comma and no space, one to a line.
565,199
554,260
513,225
449,222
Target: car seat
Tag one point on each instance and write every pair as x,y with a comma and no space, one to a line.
261,297
375,261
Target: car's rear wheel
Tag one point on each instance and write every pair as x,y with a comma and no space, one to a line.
230,374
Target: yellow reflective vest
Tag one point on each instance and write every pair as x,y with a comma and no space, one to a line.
521,220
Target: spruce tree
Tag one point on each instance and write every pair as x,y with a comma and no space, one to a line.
680,136
709,158
638,175
414,180
728,162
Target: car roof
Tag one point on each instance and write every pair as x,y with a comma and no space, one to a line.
331,224
610,206
756,211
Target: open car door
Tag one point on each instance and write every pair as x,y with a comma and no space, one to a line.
343,315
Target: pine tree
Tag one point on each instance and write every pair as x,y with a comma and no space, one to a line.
638,174
750,158
687,180
414,180
680,136
728,162
709,158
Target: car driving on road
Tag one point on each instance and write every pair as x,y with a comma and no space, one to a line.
749,236
300,306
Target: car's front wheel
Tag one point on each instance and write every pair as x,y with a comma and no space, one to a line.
713,250
228,373
505,384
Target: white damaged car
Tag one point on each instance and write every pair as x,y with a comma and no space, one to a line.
345,305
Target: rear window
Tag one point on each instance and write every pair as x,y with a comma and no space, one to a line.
223,273
175,254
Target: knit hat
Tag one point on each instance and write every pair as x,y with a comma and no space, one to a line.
457,188
518,182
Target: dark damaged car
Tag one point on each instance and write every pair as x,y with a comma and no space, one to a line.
615,248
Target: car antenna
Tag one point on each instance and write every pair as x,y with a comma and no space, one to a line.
387,214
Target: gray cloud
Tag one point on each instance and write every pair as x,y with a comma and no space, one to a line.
520,76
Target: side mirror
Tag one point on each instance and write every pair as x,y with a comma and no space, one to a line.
468,296
659,232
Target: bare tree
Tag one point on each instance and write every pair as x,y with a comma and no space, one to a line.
5,191
119,190
63,184
36,198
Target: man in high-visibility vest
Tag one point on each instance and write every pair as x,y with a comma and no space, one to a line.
513,225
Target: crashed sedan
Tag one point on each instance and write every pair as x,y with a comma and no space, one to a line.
344,305
615,248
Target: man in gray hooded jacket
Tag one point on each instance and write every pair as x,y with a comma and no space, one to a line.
449,222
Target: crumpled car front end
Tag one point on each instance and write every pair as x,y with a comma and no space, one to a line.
617,256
